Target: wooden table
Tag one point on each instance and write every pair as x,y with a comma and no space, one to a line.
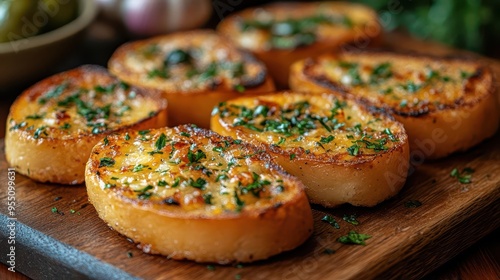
478,262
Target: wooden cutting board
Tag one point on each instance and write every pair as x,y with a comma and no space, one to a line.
406,242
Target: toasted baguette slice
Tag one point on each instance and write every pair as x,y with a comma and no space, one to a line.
282,33
195,70
445,104
342,152
189,193
53,125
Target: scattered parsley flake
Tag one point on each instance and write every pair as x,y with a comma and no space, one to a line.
329,219
354,238
413,204
211,267
463,177
351,219
106,161
328,251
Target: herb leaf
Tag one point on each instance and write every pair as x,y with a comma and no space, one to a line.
463,177
329,219
354,238
161,142
106,161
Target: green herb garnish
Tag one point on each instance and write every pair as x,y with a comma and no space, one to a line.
354,238
106,161
412,204
329,219
463,177
351,219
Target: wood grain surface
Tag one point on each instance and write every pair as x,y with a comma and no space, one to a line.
406,242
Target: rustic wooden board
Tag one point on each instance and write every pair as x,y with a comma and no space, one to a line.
407,242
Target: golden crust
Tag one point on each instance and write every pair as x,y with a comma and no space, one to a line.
217,199
54,124
212,71
446,104
341,151
352,23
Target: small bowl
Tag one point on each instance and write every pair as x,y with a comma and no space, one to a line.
29,58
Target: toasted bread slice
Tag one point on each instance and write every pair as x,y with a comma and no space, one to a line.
189,193
445,104
195,70
340,151
282,33
53,125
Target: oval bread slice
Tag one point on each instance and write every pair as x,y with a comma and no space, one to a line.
281,33
195,70
53,125
340,151
446,104
189,193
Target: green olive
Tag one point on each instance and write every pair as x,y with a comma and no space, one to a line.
16,19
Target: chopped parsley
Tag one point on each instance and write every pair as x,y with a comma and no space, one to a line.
105,89
326,140
139,167
389,133
328,251
211,267
239,88
412,204
57,91
65,126
35,116
239,203
39,131
144,193
195,157
351,219
465,75
463,177
380,72
354,238
291,33
199,183
106,161
177,56
207,198
162,73
353,150
161,142
177,182
162,183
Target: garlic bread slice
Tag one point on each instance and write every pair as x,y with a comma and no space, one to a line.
195,70
342,152
282,33
53,125
189,193
446,104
